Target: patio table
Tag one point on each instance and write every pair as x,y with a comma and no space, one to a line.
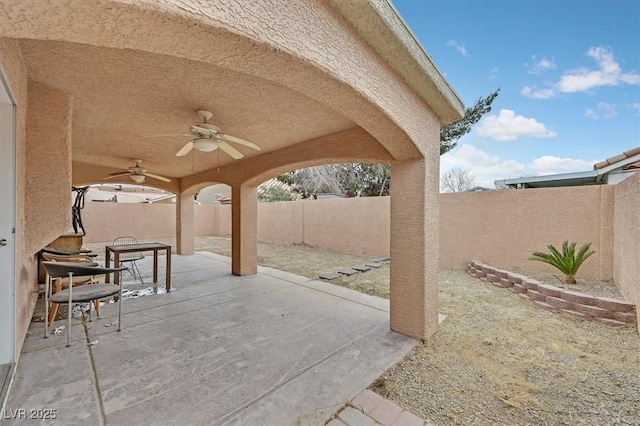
128,248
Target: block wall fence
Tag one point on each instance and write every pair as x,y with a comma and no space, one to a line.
500,228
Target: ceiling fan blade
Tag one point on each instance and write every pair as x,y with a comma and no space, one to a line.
162,178
115,175
185,149
230,150
164,136
237,140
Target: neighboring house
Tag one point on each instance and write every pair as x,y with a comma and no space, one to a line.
221,194
608,172
212,194
273,185
122,193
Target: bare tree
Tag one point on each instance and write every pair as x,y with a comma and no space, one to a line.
457,179
319,179
360,179
348,179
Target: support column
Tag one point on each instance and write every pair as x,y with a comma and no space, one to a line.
185,218
244,230
414,248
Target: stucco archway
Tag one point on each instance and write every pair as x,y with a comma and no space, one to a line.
310,82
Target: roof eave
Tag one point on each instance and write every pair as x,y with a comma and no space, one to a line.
381,25
618,164
547,178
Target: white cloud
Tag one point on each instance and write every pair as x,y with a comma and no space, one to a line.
459,47
636,106
540,66
487,168
494,72
609,73
507,127
603,110
583,79
535,93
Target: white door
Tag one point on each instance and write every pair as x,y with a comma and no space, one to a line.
7,225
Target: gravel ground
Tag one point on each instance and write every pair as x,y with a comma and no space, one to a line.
497,359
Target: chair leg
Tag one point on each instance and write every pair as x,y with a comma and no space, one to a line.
96,304
134,267
69,309
53,312
90,308
47,286
120,309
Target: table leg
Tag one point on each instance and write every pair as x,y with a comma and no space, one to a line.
168,272
155,266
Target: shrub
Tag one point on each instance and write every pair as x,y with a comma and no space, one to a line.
275,193
567,261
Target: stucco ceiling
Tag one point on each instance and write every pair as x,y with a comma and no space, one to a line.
122,98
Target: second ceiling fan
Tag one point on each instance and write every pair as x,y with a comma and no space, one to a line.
209,138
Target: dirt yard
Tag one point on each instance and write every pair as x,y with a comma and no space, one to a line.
497,359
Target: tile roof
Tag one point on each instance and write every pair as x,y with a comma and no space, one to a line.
618,158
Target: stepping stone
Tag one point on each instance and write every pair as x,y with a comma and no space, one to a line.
348,271
380,259
329,276
362,268
374,264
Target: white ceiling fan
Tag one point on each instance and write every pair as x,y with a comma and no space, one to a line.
209,138
137,174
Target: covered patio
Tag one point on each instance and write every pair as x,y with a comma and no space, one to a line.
270,348
90,87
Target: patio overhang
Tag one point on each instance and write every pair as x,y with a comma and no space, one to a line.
141,70
99,83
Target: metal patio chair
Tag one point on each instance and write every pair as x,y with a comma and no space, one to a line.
58,284
128,260
83,294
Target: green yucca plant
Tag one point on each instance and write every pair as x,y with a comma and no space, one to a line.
568,262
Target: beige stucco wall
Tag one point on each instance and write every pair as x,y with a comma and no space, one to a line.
224,220
281,222
104,222
48,167
205,220
501,228
43,160
626,231
359,226
14,71
331,224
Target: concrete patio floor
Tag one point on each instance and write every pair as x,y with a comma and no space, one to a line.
268,349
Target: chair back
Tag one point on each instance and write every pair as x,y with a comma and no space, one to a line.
127,257
50,257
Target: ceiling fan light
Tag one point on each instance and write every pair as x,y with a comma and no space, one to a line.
137,178
205,145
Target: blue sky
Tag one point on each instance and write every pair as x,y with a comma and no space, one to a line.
569,73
